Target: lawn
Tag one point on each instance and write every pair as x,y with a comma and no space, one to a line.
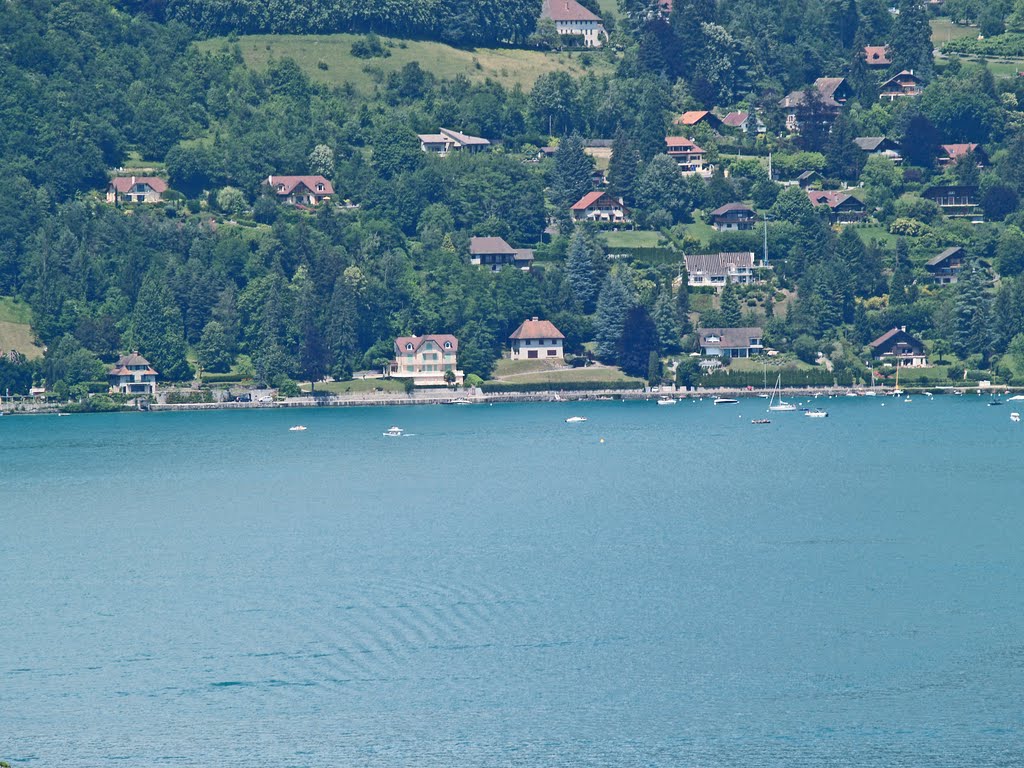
575,374
505,65
867,234
944,30
356,386
15,329
632,238
519,368
700,230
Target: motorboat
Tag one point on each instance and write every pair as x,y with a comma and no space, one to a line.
394,432
760,421
995,401
1015,397
460,401
297,428
816,413
725,401
666,401
575,419
1015,417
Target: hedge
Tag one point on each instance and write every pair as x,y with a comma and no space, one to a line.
223,378
1010,45
792,377
560,386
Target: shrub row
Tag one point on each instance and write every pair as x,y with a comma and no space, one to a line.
792,377
560,386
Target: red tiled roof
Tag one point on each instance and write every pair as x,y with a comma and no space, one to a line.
877,55
537,329
284,185
692,118
681,144
566,10
125,183
418,341
829,197
589,199
956,151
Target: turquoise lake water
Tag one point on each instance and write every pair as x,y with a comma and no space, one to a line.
503,589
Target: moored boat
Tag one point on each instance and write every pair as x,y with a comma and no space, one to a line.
394,432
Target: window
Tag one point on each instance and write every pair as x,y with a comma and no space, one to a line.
532,354
409,347
447,345
552,352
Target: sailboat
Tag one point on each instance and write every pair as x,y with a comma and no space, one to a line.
782,405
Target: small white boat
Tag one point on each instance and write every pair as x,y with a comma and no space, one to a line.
907,399
666,401
927,394
870,394
760,421
1015,417
851,393
725,401
816,413
297,428
1015,397
575,419
394,432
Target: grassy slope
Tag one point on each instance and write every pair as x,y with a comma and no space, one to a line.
943,30
507,66
631,238
357,385
15,330
574,374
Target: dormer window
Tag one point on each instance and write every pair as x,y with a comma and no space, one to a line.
408,347
447,345
319,187
280,187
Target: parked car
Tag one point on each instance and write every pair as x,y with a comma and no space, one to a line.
265,399
246,398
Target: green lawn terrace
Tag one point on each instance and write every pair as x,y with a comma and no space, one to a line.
328,59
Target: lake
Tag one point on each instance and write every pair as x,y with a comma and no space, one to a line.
500,588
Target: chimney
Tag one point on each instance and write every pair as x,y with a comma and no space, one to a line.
903,328
535,318
133,181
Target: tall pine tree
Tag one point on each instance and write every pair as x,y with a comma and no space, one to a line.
910,42
572,175
624,167
613,306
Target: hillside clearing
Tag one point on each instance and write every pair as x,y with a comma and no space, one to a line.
507,66
15,329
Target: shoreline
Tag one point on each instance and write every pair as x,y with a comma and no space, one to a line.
456,399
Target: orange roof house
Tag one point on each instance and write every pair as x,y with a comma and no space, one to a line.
536,339
301,190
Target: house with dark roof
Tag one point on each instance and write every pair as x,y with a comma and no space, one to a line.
600,206
905,84
300,190
879,145
136,189
744,122
832,93
807,178
716,269
733,217
877,56
954,199
537,339
426,359
899,348
494,254
574,21
446,141
730,342
688,156
950,154
132,375
843,208
945,268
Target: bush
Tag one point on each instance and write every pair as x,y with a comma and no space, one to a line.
908,227
179,397
369,47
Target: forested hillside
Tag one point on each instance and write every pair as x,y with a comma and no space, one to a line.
221,276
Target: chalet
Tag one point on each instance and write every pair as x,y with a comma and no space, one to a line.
715,269
447,141
733,217
132,375
843,208
600,206
832,92
699,117
877,56
899,348
136,189
688,156
744,122
950,154
535,339
906,83
807,178
426,359
574,21
494,254
730,342
945,268
301,190
953,199
879,145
